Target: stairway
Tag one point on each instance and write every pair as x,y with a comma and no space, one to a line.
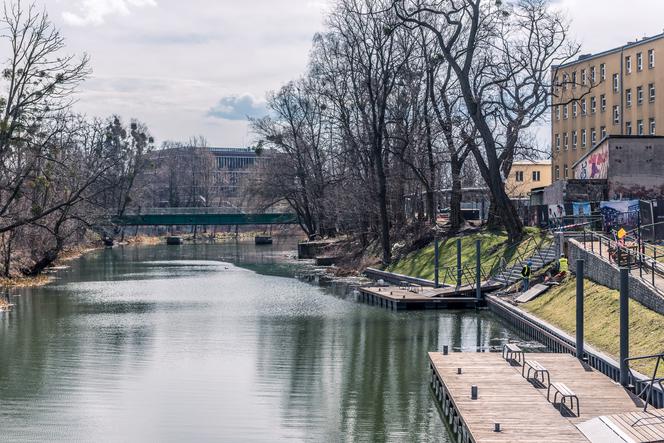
539,259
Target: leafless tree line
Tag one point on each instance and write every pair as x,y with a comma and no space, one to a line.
401,95
61,175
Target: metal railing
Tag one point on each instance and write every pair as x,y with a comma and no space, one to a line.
645,387
187,211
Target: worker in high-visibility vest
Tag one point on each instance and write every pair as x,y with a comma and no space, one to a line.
563,265
525,274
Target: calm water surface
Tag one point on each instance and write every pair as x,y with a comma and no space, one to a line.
166,343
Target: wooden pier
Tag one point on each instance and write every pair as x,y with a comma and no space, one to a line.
608,412
415,297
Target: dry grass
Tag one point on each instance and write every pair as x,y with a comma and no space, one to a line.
601,323
26,282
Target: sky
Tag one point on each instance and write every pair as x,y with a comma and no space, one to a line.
200,67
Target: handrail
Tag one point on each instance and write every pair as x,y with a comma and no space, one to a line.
651,382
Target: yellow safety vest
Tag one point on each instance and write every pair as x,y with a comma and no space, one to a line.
563,265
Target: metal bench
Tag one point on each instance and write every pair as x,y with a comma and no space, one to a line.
512,352
565,392
537,369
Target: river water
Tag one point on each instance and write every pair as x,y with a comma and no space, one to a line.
218,343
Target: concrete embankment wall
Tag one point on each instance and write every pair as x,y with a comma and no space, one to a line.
601,271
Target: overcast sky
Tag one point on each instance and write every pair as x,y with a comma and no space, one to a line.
199,67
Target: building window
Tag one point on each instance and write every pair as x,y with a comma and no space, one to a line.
639,126
651,92
593,77
583,107
602,102
651,124
536,176
583,138
557,142
639,95
558,112
574,139
639,61
565,141
628,97
593,136
616,83
584,77
565,80
602,72
565,112
628,64
519,176
574,79
616,114
557,172
593,104
651,58
575,107
602,131
566,171
628,128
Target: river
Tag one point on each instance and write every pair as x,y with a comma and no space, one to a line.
217,342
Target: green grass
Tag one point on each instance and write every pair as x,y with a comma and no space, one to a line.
494,246
601,322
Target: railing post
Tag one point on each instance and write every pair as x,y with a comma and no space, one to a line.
600,246
592,241
478,269
624,326
652,274
579,309
458,248
436,260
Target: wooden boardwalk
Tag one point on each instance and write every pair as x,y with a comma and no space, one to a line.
521,407
419,297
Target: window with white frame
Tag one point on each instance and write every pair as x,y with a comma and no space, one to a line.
566,171
519,176
583,138
584,77
639,61
574,109
565,112
537,176
593,136
602,102
628,64
593,76
651,125
574,139
651,92
558,112
628,97
639,95
616,114
616,83
602,131
565,80
583,106
565,141
602,72
557,172
593,104
628,128
639,127
574,79
651,58
557,142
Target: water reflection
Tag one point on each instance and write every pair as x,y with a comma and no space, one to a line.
175,343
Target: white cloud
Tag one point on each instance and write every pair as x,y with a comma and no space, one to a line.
94,12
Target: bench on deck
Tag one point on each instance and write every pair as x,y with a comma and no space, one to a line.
512,352
565,392
410,287
537,369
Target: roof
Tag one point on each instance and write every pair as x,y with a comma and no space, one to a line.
586,57
532,162
616,137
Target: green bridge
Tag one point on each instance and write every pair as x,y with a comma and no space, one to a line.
201,216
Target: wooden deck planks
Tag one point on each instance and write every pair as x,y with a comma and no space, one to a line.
650,428
522,409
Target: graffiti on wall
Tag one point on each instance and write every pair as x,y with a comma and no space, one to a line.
595,166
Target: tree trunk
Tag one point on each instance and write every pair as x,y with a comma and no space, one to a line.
456,217
383,213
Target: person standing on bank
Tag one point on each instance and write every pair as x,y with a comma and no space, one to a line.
525,273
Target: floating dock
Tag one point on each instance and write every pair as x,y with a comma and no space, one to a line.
608,413
418,297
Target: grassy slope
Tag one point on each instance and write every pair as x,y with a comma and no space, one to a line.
420,263
646,327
